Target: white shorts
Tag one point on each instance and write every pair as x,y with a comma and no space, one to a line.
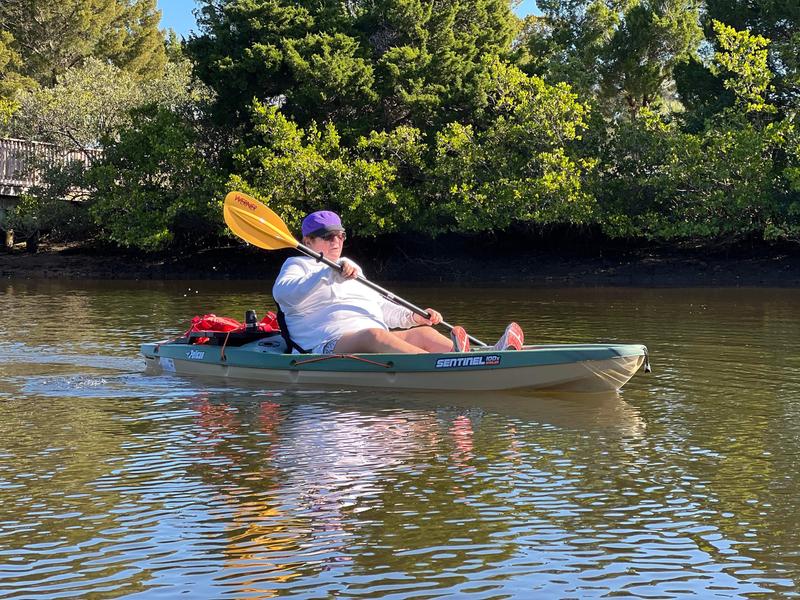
326,347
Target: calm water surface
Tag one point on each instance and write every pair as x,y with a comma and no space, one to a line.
118,484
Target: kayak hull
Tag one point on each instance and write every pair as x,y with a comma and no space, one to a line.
563,367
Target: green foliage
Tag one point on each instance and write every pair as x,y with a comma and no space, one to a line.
54,208
24,218
519,168
7,110
622,52
11,80
724,182
516,167
653,37
792,172
411,116
367,66
702,94
566,42
789,227
297,171
777,21
94,101
240,54
479,188
731,171
53,37
331,79
96,104
742,62
86,104
155,183
430,57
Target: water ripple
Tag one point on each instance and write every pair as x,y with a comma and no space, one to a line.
118,484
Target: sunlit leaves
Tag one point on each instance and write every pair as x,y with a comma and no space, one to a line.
742,61
724,182
516,166
299,170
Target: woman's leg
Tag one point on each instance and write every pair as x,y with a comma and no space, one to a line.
426,338
376,340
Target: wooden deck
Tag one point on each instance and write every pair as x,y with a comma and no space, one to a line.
18,159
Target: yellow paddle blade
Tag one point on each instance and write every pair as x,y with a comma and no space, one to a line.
255,223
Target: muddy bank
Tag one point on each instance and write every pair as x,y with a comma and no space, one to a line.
460,262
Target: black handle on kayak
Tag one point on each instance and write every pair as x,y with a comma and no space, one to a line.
382,291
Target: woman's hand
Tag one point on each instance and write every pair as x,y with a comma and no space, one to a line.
435,317
349,269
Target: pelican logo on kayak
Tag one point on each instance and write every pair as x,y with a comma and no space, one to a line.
468,361
195,355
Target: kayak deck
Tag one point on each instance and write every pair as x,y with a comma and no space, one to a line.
557,367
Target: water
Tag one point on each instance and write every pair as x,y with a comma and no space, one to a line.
118,484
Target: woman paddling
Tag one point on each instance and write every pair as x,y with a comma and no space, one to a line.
327,311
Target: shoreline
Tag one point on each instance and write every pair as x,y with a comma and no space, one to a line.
637,267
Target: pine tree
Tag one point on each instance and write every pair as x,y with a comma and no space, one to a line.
623,52
10,79
363,64
639,61
51,37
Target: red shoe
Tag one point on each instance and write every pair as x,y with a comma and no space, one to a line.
512,338
460,339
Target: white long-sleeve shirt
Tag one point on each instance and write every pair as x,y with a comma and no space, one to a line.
320,305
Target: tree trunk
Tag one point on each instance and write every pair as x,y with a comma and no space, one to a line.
32,243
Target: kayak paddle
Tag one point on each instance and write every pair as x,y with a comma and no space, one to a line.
257,224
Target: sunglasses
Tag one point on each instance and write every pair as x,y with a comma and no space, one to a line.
329,237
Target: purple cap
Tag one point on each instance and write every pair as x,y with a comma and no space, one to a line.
321,222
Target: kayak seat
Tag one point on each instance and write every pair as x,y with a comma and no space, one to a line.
290,343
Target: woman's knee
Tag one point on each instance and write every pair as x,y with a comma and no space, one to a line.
366,336
377,334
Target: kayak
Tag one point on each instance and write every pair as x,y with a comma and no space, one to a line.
261,356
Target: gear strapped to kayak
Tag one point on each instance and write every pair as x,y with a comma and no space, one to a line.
211,329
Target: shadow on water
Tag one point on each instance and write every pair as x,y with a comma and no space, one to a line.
607,412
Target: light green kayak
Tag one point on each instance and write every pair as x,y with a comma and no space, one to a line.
261,357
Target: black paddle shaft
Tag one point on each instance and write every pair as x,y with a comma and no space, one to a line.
383,292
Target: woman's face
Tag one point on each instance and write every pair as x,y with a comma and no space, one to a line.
330,245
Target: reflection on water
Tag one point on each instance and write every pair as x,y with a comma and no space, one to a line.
115,484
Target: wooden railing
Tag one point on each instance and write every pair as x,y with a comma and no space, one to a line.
19,160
